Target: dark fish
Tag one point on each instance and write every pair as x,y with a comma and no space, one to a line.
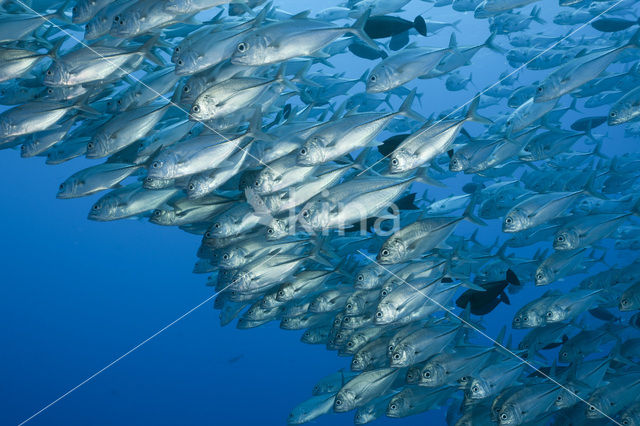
483,302
611,25
588,123
389,26
472,188
391,143
364,51
399,41
556,344
634,321
603,314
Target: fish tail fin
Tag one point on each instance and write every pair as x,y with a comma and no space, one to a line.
590,189
468,212
490,44
280,78
405,108
573,106
59,13
635,40
423,177
535,15
512,278
597,151
454,25
387,100
82,104
420,25
358,30
255,127
55,50
147,51
299,77
453,41
472,113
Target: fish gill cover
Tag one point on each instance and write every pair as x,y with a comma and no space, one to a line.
387,178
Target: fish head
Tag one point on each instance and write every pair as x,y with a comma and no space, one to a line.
464,382
163,217
544,275
126,23
203,108
264,182
345,401
163,166
401,161
548,89
197,187
478,389
291,323
68,188
392,251
619,115
402,356
367,278
433,375
531,152
458,162
597,405
515,220
232,257
586,205
360,361
554,313
224,226
385,313
565,399
312,152
491,272
481,11
397,406
380,79
277,229
629,301
56,75
365,414
312,336
355,304
251,50
315,215
104,209
285,293
355,341
99,146
630,418
509,415
413,375
156,183
126,100
187,62
567,239
386,289
97,26
82,11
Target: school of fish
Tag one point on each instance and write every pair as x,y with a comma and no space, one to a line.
310,188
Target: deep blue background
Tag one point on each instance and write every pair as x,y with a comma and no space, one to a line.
77,294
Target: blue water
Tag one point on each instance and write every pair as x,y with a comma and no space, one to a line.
78,294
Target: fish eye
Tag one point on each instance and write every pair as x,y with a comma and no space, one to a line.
176,49
383,293
565,354
303,151
549,314
612,114
508,122
191,187
592,408
90,145
347,319
475,389
559,398
393,406
349,306
186,89
157,213
540,89
338,402
539,276
195,108
305,214
385,252
394,162
116,18
49,90
624,302
379,315
269,230
525,319
217,225
121,21
180,62
49,72
508,220
372,78
426,375
360,277
396,356
225,256
350,344
96,206
74,10
503,416
61,187
560,238
516,319
155,164
242,47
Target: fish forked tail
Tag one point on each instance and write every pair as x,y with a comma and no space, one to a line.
535,15
472,113
358,30
405,108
